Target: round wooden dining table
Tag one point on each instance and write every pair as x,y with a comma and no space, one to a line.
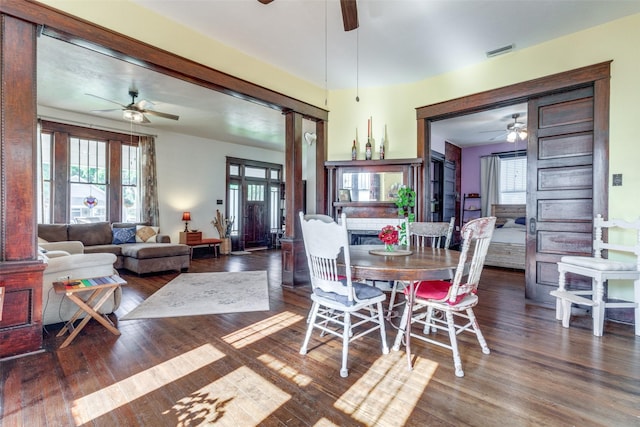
424,263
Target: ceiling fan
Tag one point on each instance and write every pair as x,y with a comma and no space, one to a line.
135,111
349,13
516,131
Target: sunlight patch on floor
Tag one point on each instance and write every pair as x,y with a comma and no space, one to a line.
323,422
259,330
387,393
285,370
240,398
109,398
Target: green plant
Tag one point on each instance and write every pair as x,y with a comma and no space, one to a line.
406,201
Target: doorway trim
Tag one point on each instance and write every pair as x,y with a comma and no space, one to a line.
598,75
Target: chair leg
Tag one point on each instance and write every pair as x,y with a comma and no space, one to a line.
344,372
312,320
566,311
383,332
476,330
457,362
559,305
598,309
394,291
636,299
401,329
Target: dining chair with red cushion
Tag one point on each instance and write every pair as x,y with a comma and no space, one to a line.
455,299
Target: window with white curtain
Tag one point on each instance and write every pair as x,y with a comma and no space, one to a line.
513,180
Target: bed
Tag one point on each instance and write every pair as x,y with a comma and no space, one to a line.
508,246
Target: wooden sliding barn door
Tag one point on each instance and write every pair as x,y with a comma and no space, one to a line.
567,180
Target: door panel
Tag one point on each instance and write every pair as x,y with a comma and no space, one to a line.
256,230
560,193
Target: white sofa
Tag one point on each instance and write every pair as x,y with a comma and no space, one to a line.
67,260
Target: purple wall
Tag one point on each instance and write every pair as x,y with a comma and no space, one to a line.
470,175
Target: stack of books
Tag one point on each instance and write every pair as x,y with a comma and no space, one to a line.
85,283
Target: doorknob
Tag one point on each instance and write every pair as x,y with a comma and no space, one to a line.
532,226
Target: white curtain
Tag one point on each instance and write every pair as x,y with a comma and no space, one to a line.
489,182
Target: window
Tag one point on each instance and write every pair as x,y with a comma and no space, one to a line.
44,178
513,179
87,180
130,200
87,175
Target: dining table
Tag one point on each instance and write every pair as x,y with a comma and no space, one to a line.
410,264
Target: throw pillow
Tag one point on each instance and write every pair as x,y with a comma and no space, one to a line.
124,235
521,220
146,233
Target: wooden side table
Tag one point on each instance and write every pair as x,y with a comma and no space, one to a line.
101,289
194,238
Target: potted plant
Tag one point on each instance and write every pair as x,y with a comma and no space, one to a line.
405,201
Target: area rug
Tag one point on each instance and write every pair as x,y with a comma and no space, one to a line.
192,294
240,253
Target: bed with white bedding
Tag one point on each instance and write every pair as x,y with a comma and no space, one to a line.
508,244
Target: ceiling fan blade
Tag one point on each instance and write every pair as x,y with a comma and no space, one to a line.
145,120
105,99
106,111
159,114
349,14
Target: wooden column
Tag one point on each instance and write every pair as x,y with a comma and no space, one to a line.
294,262
20,270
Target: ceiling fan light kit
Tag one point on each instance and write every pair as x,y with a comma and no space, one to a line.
517,130
133,116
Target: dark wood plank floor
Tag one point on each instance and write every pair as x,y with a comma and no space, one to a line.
244,369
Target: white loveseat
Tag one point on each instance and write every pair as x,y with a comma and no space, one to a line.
67,260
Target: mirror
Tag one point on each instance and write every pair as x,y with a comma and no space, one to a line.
369,186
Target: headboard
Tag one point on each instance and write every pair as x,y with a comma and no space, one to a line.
504,212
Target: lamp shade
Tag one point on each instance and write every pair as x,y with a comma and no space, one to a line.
186,216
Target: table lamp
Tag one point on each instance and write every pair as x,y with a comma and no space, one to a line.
186,217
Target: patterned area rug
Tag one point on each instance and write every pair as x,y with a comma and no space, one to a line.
192,294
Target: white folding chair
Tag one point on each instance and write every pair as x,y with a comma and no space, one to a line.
336,299
434,234
453,298
600,270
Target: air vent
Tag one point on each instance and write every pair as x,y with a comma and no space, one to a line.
500,50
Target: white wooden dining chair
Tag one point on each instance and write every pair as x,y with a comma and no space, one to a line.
433,234
453,298
600,270
336,299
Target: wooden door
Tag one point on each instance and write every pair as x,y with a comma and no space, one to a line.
565,184
256,215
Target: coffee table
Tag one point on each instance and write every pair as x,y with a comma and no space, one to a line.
100,288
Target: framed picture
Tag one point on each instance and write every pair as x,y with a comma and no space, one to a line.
344,195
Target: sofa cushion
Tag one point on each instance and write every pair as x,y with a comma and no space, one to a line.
127,224
146,233
109,249
153,250
53,232
124,235
97,233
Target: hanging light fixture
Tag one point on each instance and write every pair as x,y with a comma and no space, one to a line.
133,116
517,130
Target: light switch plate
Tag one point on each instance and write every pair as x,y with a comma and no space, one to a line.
617,179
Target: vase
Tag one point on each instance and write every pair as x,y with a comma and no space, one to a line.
225,246
389,247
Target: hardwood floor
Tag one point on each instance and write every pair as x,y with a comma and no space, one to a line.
244,369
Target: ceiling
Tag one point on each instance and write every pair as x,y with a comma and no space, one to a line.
398,41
